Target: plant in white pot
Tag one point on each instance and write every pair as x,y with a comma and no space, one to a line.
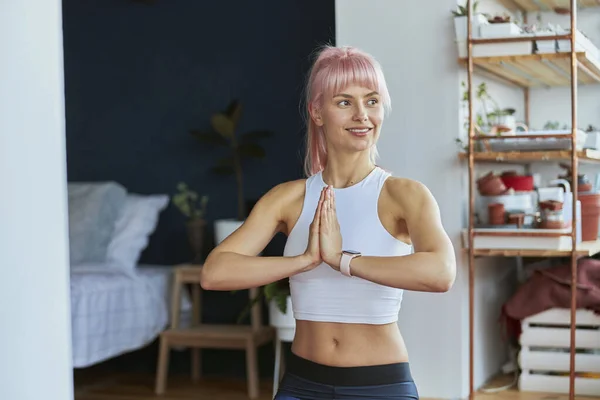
506,117
460,21
278,298
238,148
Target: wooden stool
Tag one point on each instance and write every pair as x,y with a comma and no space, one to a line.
219,336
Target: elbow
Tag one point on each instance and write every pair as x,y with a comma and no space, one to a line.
208,280
443,285
446,278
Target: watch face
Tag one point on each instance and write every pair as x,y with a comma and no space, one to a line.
351,252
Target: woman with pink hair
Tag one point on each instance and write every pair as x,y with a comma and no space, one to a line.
357,237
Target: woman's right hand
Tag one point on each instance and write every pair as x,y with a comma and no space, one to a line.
312,253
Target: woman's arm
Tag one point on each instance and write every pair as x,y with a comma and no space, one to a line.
432,267
234,264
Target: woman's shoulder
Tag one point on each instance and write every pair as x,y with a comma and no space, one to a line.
405,192
286,191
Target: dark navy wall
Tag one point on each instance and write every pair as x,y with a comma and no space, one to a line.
139,76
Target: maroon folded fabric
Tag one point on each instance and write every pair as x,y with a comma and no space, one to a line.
551,288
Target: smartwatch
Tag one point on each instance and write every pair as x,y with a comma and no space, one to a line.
347,256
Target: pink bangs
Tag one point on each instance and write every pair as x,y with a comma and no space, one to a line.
339,68
335,69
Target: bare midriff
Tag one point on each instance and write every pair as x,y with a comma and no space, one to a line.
349,345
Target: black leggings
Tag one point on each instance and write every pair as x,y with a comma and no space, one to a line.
307,380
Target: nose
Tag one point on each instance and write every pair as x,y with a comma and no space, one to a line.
360,114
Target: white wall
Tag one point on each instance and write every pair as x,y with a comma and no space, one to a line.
35,339
416,48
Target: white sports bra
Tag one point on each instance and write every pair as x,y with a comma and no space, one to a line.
324,294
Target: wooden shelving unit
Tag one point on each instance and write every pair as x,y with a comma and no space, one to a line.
583,249
530,71
544,5
587,156
538,70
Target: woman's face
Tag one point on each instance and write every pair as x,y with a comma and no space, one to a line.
351,119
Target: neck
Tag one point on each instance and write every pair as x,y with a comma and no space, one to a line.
346,170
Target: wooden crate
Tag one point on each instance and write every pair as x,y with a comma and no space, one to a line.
544,356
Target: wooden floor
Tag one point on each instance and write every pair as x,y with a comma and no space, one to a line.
141,387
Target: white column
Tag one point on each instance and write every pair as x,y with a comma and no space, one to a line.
35,337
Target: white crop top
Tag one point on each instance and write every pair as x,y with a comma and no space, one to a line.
324,294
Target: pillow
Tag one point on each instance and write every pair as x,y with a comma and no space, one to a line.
93,211
134,227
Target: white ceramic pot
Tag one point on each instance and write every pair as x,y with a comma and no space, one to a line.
279,319
508,121
225,227
460,26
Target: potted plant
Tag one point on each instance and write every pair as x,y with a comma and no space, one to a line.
277,296
194,208
460,22
279,299
239,148
506,117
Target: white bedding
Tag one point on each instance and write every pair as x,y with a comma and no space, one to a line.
115,310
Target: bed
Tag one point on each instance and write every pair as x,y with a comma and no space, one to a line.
114,311
117,304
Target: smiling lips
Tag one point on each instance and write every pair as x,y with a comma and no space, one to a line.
360,131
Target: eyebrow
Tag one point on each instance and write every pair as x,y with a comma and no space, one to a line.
347,96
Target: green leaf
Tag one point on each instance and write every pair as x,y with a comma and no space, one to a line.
270,290
210,138
255,135
223,125
281,302
252,150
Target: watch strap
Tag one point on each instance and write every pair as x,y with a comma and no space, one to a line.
345,263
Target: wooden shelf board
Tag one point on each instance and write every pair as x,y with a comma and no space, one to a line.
584,249
538,70
516,157
545,5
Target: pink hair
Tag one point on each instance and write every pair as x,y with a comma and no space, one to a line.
335,69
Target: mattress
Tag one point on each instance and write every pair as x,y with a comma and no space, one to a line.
114,310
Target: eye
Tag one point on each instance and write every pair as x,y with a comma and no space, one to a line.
372,102
343,103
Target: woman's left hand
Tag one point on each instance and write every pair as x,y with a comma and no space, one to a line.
330,237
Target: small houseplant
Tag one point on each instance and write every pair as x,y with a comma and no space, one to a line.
193,207
492,113
240,147
460,22
275,294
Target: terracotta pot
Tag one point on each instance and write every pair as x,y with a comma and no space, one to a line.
590,215
516,219
546,224
490,185
496,214
552,205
